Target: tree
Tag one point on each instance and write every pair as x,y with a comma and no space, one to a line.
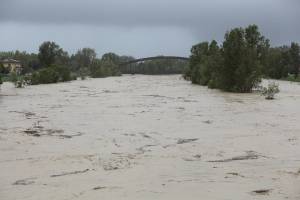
295,58
111,57
199,52
233,51
49,53
242,68
236,67
105,67
85,57
277,64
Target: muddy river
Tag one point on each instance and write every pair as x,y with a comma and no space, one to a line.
147,137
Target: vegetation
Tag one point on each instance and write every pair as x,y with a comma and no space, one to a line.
83,60
204,63
53,60
270,91
295,59
2,69
50,53
52,74
236,65
30,62
291,78
239,64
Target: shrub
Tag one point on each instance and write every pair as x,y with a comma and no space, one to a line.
17,80
104,69
64,73
52,74
270,91
292,78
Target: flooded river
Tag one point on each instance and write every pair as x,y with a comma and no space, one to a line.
147,137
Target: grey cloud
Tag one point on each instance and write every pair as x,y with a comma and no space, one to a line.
145,12
201,19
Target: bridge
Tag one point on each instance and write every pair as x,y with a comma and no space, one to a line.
154,58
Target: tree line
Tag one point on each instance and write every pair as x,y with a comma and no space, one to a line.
52,64
241,61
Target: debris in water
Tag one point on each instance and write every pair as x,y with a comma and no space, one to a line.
145,135
27,181
235,174
32,132
261,192
98,188
195,158
183,141
109,91
38,130
70,173
250,155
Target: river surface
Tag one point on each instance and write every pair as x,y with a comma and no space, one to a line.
147,137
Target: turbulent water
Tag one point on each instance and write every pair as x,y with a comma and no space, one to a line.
147,137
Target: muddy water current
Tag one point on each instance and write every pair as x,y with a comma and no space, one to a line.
147,137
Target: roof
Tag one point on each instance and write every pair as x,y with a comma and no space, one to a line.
9,60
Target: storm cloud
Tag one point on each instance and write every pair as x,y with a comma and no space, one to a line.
141,27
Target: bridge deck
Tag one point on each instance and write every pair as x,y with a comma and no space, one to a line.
155,58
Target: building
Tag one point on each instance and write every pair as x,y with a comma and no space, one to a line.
12,65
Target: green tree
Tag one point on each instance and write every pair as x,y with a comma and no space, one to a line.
104,68
111,57
49,52
295,58
242,68
236,67
198,56
276,66
85,57
233,53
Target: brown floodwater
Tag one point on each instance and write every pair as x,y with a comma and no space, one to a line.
147,137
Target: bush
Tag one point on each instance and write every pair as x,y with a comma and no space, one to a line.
103,69
17,80
270,91
64,73
52,74
292,78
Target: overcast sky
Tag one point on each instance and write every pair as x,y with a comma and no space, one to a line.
140,27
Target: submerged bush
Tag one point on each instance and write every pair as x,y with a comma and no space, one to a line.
104,68
270,91
17,80
52,74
